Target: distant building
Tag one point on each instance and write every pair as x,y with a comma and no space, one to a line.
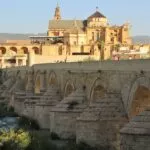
94,28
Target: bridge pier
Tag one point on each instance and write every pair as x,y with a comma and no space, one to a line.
63,116
30,104
43,107
136,134
100,123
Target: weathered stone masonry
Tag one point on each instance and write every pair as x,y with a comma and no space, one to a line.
89,102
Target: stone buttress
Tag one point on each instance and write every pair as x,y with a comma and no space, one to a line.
42,109
100,123
136,134
63,116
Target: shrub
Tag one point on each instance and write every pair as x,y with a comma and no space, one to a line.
15,140
28,123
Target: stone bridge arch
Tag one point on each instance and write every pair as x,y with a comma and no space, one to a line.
69,88
98,90
139,96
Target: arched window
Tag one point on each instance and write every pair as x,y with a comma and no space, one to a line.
36,50
3,50
25,50
14,49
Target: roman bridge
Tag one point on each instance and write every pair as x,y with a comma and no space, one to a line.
91,101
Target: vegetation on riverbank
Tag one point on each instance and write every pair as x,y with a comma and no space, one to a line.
37,140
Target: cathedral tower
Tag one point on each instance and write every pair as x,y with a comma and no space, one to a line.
57,15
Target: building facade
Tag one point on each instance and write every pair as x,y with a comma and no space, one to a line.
95,28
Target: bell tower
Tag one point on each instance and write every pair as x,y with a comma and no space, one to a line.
57,15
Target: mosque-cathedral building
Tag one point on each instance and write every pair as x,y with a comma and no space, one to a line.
72,41
87,32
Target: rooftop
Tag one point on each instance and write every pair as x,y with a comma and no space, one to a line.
97,14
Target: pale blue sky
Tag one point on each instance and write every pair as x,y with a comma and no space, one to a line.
31,16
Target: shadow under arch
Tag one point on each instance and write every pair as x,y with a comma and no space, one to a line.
139,97
52,79
98,90
36,50
69,88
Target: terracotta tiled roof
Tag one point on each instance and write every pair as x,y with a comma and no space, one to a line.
75,29
97,14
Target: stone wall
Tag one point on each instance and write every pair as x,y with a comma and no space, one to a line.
110,89
137,142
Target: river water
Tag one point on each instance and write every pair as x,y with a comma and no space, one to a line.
7,123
